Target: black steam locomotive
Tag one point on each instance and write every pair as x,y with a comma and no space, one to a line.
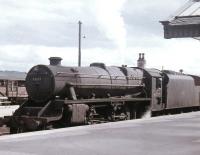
66,96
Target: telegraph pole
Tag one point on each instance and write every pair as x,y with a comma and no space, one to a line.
79,43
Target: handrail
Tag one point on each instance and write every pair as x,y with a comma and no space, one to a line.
60,74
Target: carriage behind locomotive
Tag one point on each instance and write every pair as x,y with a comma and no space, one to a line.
12,87
66,96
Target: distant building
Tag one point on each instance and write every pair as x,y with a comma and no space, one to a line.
141,62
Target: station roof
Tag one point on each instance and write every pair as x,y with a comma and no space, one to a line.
185,23
185,20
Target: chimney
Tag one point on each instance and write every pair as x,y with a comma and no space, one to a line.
141,62
181,71
55,61
140,56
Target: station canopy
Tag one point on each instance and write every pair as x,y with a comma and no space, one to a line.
185,22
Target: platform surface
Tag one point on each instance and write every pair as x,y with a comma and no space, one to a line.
166,135
7,110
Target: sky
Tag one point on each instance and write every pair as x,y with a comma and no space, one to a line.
113,32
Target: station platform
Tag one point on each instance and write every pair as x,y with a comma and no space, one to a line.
165,135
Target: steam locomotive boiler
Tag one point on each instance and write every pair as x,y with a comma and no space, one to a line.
66,96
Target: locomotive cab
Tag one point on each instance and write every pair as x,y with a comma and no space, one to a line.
154,87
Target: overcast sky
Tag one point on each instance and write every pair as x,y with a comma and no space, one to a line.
115,30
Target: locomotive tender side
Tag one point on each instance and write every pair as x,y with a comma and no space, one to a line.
180,90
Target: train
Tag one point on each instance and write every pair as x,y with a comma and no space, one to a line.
63,96
12,87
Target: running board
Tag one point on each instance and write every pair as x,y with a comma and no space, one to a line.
103,100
